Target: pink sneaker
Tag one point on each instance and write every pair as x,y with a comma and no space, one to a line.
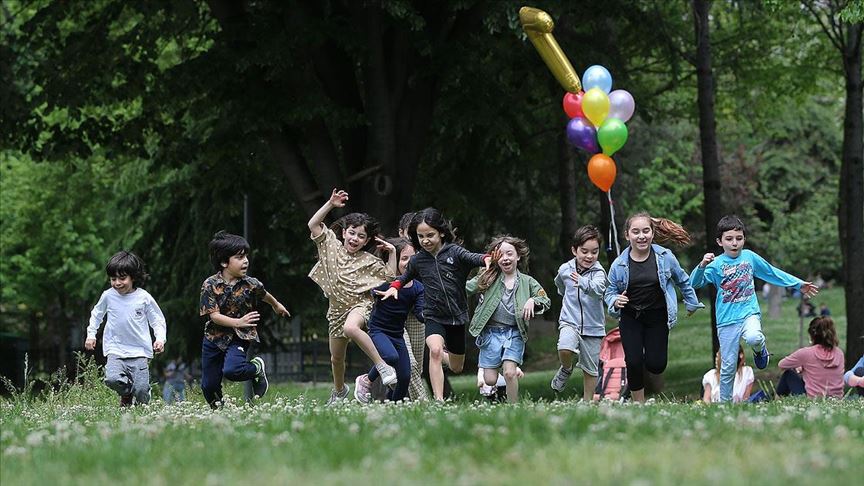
361,389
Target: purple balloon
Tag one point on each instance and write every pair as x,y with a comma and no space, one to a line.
582,134
621,105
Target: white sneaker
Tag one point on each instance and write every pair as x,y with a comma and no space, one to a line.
388,374
559,381
339,396
361,389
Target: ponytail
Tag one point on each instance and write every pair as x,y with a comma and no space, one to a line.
665,230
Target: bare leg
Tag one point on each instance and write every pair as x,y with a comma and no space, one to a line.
638,396
338,346
455,362
353,329
490,376
590,383
435,342
511,378
566,358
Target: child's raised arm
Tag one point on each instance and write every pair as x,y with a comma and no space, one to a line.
337,200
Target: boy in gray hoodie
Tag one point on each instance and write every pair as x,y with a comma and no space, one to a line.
581,326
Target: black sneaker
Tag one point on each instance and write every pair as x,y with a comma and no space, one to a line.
126,401
260,383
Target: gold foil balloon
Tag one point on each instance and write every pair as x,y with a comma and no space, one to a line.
538,25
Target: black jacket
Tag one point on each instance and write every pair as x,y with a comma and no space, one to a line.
443,277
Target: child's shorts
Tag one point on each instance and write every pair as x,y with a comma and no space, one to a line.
336,321
499,343
588,347
454,335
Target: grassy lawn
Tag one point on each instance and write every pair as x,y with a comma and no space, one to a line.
77,434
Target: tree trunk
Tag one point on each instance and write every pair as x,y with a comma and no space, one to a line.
707,137
567,195
851,204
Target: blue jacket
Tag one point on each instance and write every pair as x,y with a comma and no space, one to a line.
668,271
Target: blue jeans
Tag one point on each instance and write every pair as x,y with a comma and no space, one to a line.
729,336
499,343
230,363
394,352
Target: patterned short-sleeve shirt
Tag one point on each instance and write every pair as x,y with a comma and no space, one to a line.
346,279
232,300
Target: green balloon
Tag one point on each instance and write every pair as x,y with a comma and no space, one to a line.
612,135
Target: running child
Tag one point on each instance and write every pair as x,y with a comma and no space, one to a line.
509,299
229,299
347,271
582,323
387,330
738,313
641,293
415,329
443,267
126,341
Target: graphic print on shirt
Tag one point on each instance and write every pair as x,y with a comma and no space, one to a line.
737,283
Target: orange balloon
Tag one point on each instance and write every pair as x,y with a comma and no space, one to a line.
602,171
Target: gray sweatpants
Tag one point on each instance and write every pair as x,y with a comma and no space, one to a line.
129,376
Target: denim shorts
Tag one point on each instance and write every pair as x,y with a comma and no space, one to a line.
498,344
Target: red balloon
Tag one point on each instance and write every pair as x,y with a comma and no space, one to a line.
602,171
573,104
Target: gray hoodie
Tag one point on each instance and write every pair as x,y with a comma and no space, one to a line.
583,304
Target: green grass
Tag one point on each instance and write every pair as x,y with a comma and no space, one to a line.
76,434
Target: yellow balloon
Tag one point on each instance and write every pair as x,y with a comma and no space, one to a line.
595,105
538,25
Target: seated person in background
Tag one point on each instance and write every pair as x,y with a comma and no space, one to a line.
855,377
818,369
743,381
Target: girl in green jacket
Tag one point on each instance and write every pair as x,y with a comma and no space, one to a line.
508,300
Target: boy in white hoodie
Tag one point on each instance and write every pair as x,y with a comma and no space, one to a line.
126,340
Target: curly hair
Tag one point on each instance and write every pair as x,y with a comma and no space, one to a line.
665,230
488,277
357,220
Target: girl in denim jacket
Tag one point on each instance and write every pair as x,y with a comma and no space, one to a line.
641,292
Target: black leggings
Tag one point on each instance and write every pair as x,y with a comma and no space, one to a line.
645,338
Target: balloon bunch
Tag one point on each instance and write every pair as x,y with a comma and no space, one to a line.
597,123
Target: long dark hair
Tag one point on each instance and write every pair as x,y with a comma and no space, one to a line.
436,221
822,332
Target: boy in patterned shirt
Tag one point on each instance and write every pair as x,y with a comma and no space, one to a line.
229,299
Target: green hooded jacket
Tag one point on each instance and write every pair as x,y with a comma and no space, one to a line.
527,288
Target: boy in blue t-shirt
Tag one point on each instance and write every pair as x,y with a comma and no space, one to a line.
738,313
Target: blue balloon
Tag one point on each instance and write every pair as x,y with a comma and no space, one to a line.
597,76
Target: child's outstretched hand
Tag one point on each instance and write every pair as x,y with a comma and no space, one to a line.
528,309
708,258
338,198
90,344
492,258
385,245
391,292
249,320
808,289
280,309
158,346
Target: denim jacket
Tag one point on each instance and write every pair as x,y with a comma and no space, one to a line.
668,271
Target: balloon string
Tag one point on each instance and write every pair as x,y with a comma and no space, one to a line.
613,228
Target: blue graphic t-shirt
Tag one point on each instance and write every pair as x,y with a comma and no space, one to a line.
733,278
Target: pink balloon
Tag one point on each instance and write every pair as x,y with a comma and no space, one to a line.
621,105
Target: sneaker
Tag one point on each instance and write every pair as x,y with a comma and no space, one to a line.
336,397
259,383
362,390
125,401
388,374
560,379
761,358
